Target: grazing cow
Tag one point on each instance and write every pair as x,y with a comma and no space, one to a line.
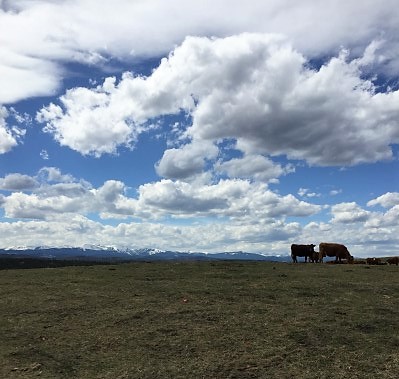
302,251
334,250
393,260
373,261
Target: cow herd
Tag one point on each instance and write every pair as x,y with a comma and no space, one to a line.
379,261
334,250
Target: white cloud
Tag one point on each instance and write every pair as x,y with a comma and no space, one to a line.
187,161
51,201
34,206
52,194
253,88
35,77
236,199
386,222
271,237
111,201
349,213
17,182
328,116
60,232
387,200
211,237
44,155
257,167
9,136
91,124
364,233
54,174
305,192
37,37
254,218
335,192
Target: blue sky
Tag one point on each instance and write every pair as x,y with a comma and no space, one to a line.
169,125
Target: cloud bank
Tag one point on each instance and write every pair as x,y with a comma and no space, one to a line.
53,208
37,37
254,89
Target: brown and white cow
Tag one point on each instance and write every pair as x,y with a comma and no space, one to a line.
306,251
334,250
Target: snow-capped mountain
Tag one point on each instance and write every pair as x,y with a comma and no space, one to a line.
110,253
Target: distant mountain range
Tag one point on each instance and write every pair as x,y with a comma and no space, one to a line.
110,254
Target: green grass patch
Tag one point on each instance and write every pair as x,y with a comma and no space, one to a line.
200,320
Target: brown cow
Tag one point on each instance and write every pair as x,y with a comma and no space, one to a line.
302,251
373,261
334,250
393,260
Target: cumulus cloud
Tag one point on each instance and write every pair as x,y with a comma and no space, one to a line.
186,161
253,217
38,36
50,201
252,88
365,233
329,116
236,199
17,182
56,233
111,201
52,194
91,123
54,174
375,237
387,200
255,167
9,136
211,237
349,213
36,206
384,222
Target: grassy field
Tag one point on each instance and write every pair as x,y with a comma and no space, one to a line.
200,320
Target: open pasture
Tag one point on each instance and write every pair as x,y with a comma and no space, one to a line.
200,320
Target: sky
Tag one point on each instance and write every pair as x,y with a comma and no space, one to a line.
200,125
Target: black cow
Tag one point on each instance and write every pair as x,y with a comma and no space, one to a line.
302,251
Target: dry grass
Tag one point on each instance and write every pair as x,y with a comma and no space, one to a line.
200,320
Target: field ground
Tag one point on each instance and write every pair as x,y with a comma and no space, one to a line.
200,320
